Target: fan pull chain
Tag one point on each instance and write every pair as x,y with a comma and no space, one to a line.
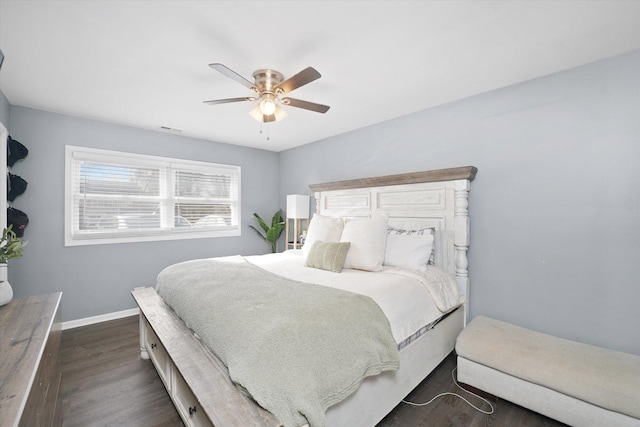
268,133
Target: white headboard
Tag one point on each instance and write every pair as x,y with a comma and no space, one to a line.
438,198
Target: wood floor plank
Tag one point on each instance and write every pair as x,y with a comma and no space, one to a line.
106,383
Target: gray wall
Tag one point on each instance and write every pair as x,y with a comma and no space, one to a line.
5,110
98,279
555,207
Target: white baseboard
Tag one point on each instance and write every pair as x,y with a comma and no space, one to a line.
100,318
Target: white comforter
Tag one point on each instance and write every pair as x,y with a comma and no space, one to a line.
410,300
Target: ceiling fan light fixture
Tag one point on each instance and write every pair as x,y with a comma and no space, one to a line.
267,106
277,115
256,114
269,85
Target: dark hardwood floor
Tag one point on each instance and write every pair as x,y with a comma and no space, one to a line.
451,411
106,383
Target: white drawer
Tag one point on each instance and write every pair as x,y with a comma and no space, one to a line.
158,355
192,413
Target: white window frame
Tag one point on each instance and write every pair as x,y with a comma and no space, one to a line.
74,237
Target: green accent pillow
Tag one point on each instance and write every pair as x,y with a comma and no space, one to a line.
328,255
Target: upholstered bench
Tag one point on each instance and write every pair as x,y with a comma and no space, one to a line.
575,383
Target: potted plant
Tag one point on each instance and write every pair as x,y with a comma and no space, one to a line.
271,233
10,248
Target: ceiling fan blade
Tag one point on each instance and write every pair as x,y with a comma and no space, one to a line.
305,76
228,100
298,103
233,75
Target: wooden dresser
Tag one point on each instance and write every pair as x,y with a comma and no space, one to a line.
30,373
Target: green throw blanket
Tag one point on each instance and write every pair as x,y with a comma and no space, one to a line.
296,348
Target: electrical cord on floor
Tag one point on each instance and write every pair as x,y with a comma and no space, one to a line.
457,395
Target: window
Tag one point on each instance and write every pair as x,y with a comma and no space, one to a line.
114,197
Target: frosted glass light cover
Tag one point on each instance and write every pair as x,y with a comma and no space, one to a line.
267,106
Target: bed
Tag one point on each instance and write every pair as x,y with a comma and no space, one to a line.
198,381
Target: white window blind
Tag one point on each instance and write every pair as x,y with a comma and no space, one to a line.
117,197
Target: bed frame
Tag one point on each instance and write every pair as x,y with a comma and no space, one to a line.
199,383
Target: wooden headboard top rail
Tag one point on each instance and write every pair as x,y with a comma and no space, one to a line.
450,174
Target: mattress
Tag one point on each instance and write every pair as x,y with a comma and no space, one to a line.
406,301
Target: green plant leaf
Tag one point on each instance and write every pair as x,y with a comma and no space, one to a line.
10,245
259,233
273,233
279,227
277,218
263,224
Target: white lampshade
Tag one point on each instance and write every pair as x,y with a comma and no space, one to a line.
297,206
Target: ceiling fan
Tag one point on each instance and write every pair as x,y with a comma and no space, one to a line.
269,85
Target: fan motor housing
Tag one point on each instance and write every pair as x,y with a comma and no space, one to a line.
267,80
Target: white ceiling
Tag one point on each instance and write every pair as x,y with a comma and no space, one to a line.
145,63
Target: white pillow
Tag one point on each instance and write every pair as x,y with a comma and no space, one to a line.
368,238
408,251
420,232
322,228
